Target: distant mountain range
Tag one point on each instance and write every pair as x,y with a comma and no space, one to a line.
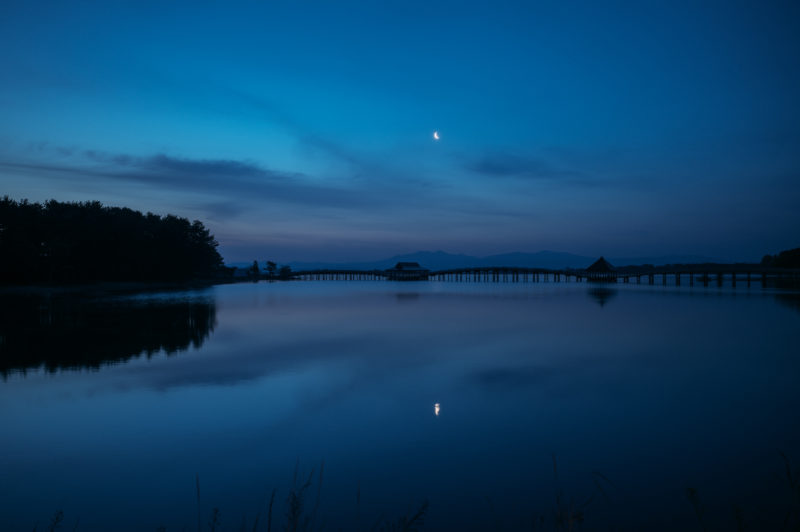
440,260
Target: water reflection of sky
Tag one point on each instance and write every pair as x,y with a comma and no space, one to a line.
682,386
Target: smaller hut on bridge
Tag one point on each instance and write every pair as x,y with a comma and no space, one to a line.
601,271
407,271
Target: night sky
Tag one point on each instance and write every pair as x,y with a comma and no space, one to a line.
304,131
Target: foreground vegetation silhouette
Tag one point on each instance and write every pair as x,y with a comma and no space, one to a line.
789,258
71,333
301,511
66,243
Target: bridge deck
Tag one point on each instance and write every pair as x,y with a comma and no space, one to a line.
703,274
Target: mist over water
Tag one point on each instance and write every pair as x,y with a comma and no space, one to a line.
455,393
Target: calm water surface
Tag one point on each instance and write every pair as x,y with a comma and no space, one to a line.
111,408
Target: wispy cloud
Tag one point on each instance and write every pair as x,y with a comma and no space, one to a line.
511,165
229,179
507,165
303,133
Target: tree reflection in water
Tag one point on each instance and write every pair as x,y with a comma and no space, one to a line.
71,333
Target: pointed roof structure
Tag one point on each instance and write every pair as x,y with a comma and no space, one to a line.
601,265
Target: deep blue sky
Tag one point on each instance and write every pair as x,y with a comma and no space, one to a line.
303,131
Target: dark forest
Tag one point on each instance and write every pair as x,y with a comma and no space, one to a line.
84,242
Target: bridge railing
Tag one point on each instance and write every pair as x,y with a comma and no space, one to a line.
701,273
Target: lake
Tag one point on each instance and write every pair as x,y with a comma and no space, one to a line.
625,406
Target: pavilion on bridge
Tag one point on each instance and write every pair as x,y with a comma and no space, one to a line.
407,271
601,272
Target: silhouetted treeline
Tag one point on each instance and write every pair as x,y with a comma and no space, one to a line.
785,259
59,242
68,332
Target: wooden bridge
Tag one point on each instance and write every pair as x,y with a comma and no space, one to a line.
689,274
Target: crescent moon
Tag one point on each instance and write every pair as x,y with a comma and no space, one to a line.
436,135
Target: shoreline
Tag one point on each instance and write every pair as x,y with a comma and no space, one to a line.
106,287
